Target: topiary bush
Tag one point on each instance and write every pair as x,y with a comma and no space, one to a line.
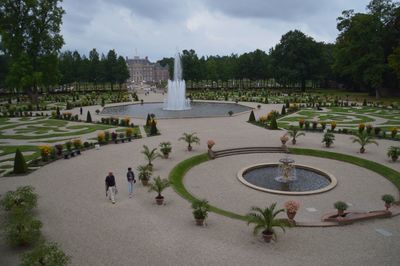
23,199
88,117
153,128
20,166
45,254
252,118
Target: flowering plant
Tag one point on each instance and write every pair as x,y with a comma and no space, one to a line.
333,125
45,152
101,137
292,206
301,122
361,127
263,119
210,143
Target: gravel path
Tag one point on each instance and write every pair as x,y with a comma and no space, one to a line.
76,214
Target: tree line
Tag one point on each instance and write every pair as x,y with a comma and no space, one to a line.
365,57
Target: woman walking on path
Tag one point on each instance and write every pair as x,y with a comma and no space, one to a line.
130,176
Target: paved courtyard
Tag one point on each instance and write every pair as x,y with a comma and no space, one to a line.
76,214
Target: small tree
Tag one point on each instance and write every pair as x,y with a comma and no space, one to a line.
148,120
190,138
88,117
294,133
150,155
158,186
200,210
20,166
328,139
283,112
45,254
363,139
273,124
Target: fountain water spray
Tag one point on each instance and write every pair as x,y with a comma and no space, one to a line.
176,98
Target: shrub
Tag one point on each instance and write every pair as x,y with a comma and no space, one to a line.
68,144
23,199
101,137
20,166
307,124
45,254
77,143
377,130
114,136
45,152
128,132
153,128
301,122
252,118
148,120
388,199
340,205
86,144
323,125
393,132
200,209
121,135
314,125
283,112
106,136
273,124
22,229
59,149
88,117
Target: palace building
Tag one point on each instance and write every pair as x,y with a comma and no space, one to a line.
142,70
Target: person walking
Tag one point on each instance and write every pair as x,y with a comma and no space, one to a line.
111,187
130,176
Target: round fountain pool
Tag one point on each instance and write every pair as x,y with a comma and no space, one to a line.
267,177
198,109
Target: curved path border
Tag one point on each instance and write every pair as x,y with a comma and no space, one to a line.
179,171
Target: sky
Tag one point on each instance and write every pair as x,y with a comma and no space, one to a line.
158,28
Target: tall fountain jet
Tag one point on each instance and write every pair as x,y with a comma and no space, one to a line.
176,98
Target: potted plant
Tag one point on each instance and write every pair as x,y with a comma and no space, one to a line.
328,139
284,138
210,144
388,199
200,211
393,152
364,139
122,137
158,186
265,219
150,155
341,206
144,174
333,125
114,136
77,145
291,208
59,149
294,133
190,138
165,148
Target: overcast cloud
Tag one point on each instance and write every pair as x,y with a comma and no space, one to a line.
156,28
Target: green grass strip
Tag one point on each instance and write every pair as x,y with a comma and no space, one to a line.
390,174
178,173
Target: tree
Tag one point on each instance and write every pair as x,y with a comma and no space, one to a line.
88,117
20,166
30,32
111,64
295,58
252,118
122,71
94,68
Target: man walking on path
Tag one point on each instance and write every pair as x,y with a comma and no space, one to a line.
131,180
111,187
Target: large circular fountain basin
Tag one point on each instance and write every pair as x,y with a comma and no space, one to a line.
309,180
198,109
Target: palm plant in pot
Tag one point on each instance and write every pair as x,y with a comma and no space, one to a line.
158,186
294,133
388,199
200,211
165,148
190,138
393,152
144,173
265,219
150,155
328,139
363,139
340,206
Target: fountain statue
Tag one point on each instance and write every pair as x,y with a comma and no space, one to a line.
287,171
176,97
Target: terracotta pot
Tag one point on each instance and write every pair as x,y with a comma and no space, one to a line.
327,145
199,222
166,155
294,141
340,213
159,200
267,236
190,148
387,206
362,150
394,158
291,215
210,146
145,182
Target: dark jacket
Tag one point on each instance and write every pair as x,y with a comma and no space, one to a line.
110,181
130,176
